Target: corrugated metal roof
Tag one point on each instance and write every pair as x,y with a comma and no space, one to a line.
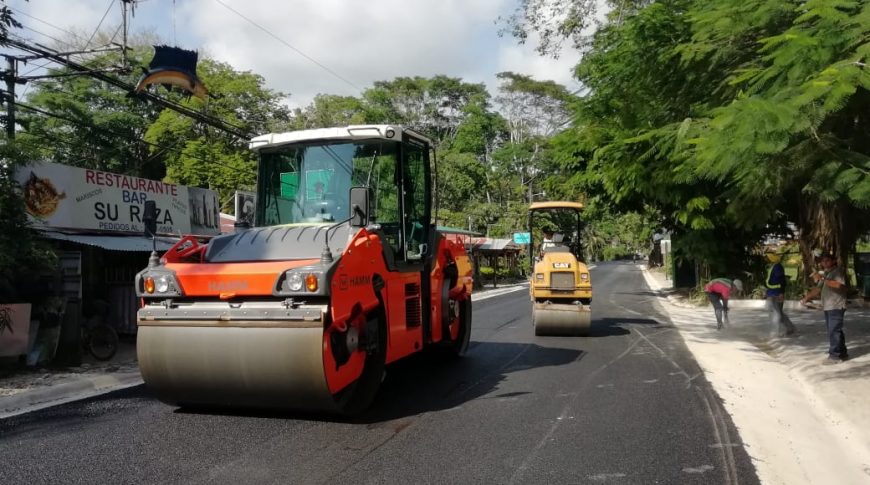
457,230
491,244
113,243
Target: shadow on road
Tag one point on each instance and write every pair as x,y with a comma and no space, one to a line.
429,382
609,327
432,381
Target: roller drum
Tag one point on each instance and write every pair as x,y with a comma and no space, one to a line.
561,319
272,367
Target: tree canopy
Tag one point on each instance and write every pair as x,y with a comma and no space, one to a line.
729,117
719,120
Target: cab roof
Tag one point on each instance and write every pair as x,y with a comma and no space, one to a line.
349,133
535,206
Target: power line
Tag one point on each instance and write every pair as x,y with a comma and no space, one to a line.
165,103
22,12
100,24
47,36
102,130
270,34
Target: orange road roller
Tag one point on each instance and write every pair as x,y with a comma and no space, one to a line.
341,274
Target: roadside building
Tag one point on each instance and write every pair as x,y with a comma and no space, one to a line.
94,221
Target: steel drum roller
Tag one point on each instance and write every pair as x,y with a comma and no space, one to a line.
561,319
219,365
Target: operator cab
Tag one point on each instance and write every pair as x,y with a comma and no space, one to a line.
305,178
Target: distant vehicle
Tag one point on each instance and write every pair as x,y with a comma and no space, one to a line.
561,286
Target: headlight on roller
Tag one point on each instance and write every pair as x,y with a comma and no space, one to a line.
584,276
159,282
539,276
301,281
294,282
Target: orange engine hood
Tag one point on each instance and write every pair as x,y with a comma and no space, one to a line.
232,279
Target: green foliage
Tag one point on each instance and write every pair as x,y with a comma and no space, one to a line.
489,273
554,21
23,256
206,157
434,106
85,123
729,117
330,110
7,21
608,236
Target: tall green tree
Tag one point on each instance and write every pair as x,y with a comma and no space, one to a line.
534,111
795,126
77,120
552,22
207,157
330,110
432,105
7,21
729,116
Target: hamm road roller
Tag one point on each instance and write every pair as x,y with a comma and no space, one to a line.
341,274
560,286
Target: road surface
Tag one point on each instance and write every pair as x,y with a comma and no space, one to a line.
628,404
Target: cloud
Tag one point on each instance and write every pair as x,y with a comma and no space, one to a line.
363,42
523,59
360,41
54,15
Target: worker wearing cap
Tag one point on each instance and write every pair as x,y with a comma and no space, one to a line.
719,291
831,285
775,283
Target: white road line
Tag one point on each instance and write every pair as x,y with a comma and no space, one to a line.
498,292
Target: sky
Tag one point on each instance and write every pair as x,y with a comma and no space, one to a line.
307,47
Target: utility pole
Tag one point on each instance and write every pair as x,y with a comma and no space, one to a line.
10,98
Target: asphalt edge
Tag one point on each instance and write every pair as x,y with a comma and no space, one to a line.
799,373
75,390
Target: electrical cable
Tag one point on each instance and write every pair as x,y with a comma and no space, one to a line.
61,42
102,130
97,29
22,12
279,39
163,102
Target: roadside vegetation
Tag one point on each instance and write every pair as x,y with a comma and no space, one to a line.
719,121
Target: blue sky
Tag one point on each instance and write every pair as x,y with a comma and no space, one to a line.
360,41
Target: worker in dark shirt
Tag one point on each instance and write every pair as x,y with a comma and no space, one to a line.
775,282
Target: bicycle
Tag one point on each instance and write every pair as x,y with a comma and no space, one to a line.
98,337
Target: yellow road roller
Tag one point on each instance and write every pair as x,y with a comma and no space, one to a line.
560,286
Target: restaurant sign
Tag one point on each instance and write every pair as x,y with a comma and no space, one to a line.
64,197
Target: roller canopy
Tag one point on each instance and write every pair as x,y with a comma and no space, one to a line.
556,205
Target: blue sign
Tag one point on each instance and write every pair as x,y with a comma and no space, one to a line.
522,238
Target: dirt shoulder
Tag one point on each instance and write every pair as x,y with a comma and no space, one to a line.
801,421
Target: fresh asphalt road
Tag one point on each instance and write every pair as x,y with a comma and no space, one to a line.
627,404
